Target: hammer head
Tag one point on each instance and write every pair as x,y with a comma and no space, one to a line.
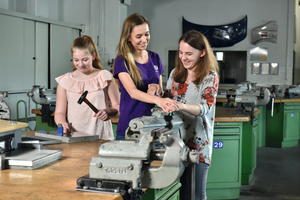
83,96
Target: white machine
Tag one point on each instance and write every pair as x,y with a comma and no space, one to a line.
4,110
246,96
46,98
126,166
249,93
43,96
292,91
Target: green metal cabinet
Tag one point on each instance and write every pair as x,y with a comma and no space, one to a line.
283,128
262,128
39,125
170,193
114,127
224,175
249,146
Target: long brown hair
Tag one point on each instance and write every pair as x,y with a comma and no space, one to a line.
125,47
205,64
87,43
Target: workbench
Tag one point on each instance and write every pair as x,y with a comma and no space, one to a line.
283,128
56,180
12,127
236,158
262,129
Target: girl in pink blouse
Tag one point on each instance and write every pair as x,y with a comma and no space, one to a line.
103,93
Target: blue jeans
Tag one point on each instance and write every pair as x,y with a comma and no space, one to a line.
201,171
120,137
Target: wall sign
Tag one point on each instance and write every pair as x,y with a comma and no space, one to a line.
218,144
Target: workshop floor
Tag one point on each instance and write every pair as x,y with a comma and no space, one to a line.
277,175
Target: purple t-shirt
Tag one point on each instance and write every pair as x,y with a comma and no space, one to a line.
131,108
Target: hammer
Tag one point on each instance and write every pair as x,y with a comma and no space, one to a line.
83,98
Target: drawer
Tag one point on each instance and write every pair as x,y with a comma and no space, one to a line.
255,123
226,130
255,118
292,106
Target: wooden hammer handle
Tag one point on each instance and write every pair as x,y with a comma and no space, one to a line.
91,106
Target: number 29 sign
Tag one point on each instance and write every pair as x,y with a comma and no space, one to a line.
218,144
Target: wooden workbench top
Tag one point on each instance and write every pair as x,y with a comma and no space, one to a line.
285,100
224,114
38,112
277,100
6,125
56,180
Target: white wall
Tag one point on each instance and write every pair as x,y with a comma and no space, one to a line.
102,19
166,28
45,10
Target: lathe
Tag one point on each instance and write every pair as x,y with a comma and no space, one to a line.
126,166
46,98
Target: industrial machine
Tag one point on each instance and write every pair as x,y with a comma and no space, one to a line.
278,90
292,91
46,98
127,166
4,110
285,91
246,96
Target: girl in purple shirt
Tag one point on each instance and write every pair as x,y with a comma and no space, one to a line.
139,72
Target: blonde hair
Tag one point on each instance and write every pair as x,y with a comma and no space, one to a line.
205,64
126,49
87,43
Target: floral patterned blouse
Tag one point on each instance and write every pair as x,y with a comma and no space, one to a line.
197,131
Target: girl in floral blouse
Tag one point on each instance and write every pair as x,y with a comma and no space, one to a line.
194,84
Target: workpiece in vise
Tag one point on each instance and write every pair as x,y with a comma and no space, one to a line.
84,99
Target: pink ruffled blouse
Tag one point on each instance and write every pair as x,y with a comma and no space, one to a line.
81,115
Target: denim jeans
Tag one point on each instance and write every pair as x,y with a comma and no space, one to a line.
201,171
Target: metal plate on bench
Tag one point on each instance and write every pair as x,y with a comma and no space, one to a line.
76,137
30,159
31,139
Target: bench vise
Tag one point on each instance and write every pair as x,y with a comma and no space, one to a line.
127,166
246,96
